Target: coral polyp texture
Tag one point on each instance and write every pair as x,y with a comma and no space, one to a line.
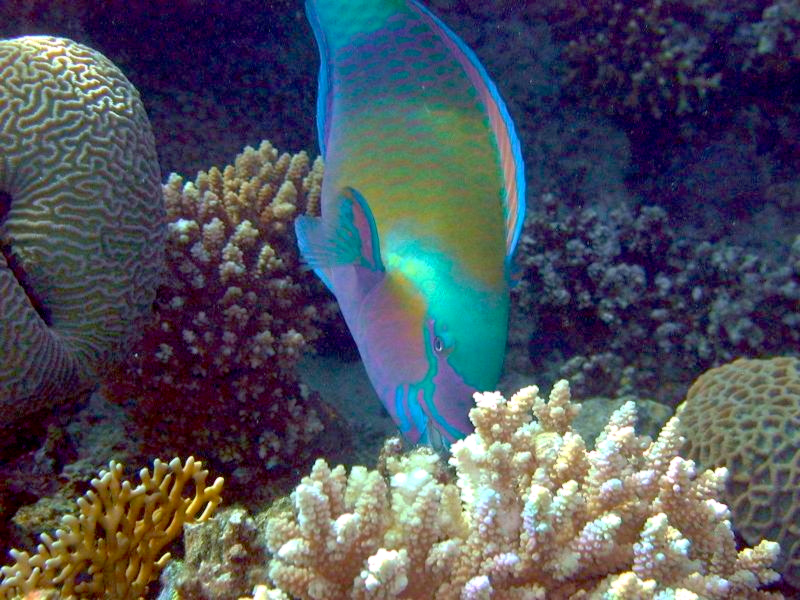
532,514
81,220
745,416
114,546
216,368
662,60
772,40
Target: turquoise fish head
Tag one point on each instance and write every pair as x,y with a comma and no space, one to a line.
428,344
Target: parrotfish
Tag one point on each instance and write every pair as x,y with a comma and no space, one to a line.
422,204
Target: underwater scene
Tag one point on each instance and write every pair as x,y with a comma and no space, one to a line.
414,299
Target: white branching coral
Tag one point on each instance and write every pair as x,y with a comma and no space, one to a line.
532,514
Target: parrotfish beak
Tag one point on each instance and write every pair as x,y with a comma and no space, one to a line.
434,438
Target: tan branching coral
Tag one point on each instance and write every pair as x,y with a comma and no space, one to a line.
233,315
113,548
81,220
744,416
533,514
230,242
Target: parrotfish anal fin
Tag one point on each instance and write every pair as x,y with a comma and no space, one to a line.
501,124
345,236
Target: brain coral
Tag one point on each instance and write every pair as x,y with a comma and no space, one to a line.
81,219
746,416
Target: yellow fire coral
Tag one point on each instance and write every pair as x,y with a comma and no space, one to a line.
113,548
533,514
81,220
744,416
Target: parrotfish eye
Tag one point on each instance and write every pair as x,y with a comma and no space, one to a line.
442,341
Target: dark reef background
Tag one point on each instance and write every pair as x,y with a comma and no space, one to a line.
662,151
214,76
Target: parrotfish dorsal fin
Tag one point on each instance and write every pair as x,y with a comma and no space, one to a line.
346,235
500,122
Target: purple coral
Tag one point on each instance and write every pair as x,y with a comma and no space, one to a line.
623,302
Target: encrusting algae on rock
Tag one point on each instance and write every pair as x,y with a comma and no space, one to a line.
532,514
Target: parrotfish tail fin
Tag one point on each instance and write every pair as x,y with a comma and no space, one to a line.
346,235
501,124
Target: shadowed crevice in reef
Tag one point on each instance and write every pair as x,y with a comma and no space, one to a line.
16,267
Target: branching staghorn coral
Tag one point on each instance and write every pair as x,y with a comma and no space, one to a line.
113,548
233,314
639,60
663,59
773,42
81,220
652,306
533,514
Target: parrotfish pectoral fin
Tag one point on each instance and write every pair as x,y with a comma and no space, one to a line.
346,235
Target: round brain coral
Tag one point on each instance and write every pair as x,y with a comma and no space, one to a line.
746,416
81,219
